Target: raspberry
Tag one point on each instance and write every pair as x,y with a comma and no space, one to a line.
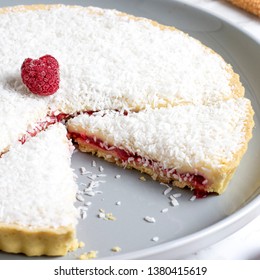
41,76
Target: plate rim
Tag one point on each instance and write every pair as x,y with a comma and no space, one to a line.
217,16
238,219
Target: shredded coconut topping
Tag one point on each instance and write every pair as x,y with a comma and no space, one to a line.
197,137
34,190
18,114
94,59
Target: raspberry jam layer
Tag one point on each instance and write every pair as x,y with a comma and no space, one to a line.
198,181
49,120
42,125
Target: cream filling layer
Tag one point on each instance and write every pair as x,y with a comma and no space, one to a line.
195,181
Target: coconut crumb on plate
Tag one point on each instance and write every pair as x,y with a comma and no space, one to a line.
106,216
155,239
164,210
110,217
79,197
81,244
84,171
89,255
142,178
167,191
116,249
174,202
149,219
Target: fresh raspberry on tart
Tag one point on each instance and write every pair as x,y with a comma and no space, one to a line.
41,76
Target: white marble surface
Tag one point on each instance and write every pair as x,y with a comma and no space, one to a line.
245,243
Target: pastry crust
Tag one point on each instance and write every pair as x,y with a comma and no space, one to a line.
36,242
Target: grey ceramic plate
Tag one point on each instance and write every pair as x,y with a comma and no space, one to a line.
192,225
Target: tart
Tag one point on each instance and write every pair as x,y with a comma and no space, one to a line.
147,82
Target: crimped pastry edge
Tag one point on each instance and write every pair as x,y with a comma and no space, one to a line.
37,241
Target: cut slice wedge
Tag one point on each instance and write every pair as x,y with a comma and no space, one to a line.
37,193
196,146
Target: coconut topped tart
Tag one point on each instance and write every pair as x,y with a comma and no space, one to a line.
139,93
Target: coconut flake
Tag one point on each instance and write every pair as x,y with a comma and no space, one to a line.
155,239
176,195
79,197
167,191
101,175
174,202
142,178
102,215
88,203
149,219
92,177
84,171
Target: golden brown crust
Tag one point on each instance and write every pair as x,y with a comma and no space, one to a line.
252,6
36,242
